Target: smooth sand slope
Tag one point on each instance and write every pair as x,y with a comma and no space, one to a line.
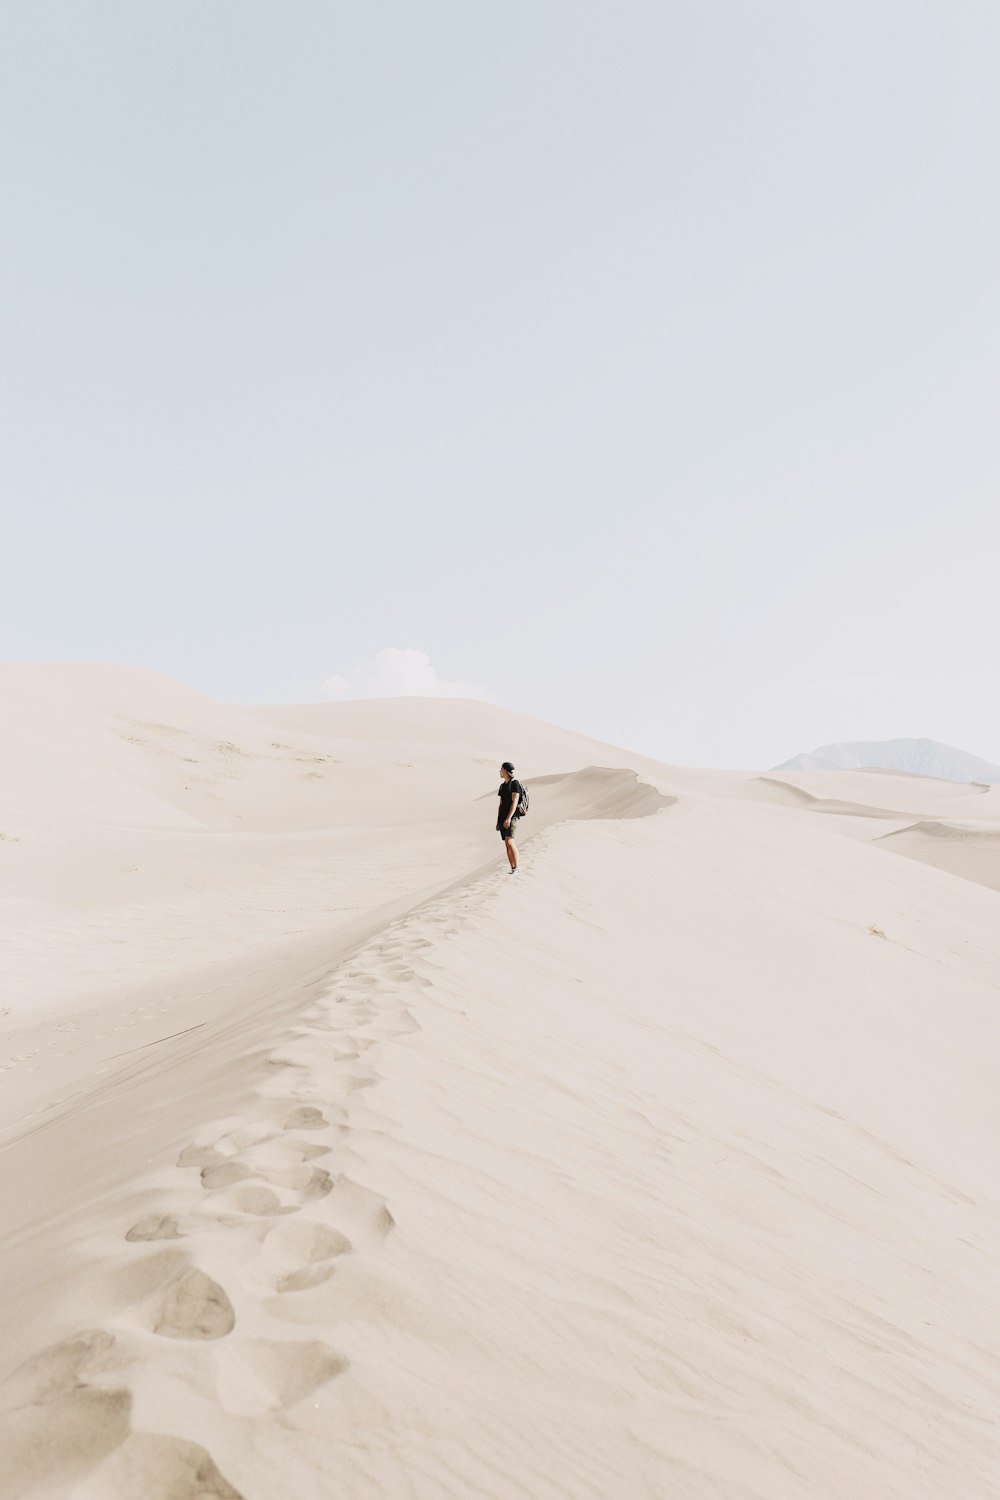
666,1169
163,856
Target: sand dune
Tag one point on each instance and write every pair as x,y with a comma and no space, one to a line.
969,848
158,850
971,851
894,792
665,1169
786,794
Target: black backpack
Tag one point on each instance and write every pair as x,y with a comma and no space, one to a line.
522,806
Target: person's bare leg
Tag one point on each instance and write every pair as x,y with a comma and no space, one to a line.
511,849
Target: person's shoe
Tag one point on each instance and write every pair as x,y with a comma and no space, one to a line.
513,869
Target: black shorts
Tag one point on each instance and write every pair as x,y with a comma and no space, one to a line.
508,833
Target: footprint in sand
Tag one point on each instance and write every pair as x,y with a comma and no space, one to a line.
201,1156
307,1150
259,1199
157,1467
296,1051
362,980
59,1435
155,1227
291,1371
54,1427
194,1307
304,1279
308,1182
227,1174
319,1021
306,1117
283,1111
363,1211
348,1053
261,1202
308,1251
349,1083
400,1024
275,1160
404,975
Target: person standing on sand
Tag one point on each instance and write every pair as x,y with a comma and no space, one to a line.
510,801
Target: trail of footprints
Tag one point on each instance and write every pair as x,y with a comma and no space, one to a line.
276,1177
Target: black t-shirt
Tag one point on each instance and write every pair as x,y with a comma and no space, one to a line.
509,794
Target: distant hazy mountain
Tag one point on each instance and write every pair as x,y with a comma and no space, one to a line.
921,757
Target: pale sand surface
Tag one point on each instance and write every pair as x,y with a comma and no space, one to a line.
336,1162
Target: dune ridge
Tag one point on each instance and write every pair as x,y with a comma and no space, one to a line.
665,1168
969,850
369,1262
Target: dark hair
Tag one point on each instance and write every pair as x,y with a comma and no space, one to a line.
507,767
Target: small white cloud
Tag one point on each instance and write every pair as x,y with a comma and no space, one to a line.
395,673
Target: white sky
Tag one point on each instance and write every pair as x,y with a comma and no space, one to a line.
634,363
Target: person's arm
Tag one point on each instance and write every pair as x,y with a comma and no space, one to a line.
515,802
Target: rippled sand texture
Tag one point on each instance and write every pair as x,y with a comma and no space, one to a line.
666,1168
